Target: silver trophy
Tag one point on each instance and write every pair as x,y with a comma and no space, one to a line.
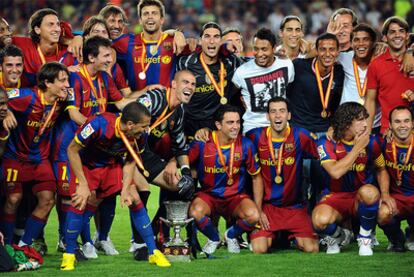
177,217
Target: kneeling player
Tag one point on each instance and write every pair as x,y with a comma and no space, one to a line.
349,163
221,165
281,150
398,198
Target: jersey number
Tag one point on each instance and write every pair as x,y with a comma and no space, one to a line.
12,175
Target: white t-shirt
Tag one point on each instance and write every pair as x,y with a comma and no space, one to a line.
350,90
258,85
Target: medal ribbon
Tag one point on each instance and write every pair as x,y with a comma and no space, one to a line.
164,116
324,100
362,91
229,171
84,71
49,116
219,90
144,67
2,83
272,150
407,156
131,151
42,56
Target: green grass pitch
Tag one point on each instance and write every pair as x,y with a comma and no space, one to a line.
280,263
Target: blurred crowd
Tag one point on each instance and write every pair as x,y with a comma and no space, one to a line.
190,15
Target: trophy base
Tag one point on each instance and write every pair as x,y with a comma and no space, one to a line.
177,253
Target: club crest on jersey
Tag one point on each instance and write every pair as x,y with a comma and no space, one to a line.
321,152
13,93
313,135
289,147
167,45
236,156
87,131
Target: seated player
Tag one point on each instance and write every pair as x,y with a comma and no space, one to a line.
397,198
351,193
281,149
96,158
222,164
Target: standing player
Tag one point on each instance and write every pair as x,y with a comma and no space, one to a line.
213,75
222,164
26,159
96,158
42,46
281,150
351,191
261,79
397,198
147,58
386,83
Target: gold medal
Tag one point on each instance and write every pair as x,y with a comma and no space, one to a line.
278,179
146,173
142,76
223,100
230,182
324,114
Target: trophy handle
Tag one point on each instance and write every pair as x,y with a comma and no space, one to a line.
188,220
166,221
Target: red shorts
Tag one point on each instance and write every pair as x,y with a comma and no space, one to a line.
104,180
294,220
405,205
17,173
224,207
64,173
343,202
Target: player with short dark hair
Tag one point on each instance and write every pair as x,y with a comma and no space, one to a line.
281,149
351,192
11,63
96,158
26,159
222,164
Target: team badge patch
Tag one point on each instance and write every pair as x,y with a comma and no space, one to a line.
71,95
146,101
321,152
87,131
13,93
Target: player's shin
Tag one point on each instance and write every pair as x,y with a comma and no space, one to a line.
74,222
368,218
143,224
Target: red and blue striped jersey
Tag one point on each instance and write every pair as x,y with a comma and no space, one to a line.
82,98
163,62
211,173
101,142
32,60
361,171
298,145
406,186
31,111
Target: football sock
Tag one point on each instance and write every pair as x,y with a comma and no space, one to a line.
144,195
368,218
393,231
86,220
74,222
206,226
34,226
239,228
7,224
62,213
106,216
143,224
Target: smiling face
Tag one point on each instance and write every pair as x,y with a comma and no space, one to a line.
362,44
230,125
12,68
184,85
104,59
115,24
210,42
151,19
401,124
278,116
396,37
135,130
263,52
291,34
5,33
59,87
327,52
49,30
